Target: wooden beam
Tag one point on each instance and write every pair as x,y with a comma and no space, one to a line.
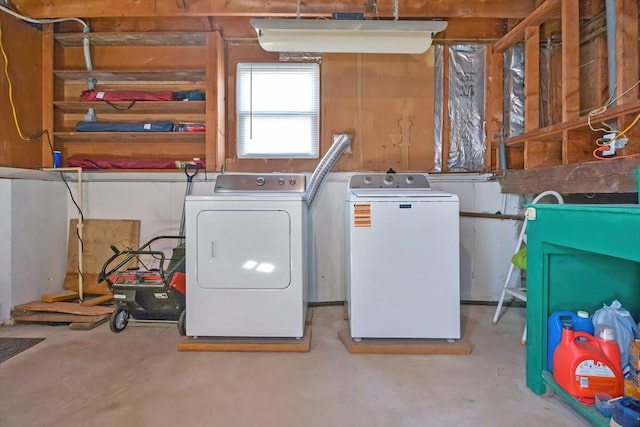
536,18
446,124
627,50
283,8
221,98
47,95
494,97
570,59
212,88
531,79
605,176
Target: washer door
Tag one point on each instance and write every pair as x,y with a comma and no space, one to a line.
243,249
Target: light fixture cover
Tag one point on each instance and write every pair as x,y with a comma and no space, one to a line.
346,36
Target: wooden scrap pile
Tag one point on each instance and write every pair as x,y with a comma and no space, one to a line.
66,306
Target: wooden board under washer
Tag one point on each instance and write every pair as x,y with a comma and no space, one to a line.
402,346
241,344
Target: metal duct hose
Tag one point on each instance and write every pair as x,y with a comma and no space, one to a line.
340,144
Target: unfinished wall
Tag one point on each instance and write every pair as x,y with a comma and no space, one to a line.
384,101
23,46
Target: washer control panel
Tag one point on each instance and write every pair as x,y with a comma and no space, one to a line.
243,183
389,181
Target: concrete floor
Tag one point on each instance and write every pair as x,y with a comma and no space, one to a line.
138,378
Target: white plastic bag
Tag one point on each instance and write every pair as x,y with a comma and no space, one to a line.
622,322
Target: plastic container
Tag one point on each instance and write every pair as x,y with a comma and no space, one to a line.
606,337
580,322
626,412
57,159
604,404
583,369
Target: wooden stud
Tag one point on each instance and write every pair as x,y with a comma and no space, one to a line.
543,12
47,94
570,60
494,105
627,50
212,89
446,125
532,79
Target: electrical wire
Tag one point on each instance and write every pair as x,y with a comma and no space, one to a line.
13,106
41,21
604,108
618,135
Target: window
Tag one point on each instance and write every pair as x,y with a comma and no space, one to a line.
278,110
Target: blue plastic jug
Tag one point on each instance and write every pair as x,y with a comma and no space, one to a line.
580,322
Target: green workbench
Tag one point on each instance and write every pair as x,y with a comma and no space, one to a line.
578,257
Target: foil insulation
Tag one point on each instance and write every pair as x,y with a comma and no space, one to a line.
438,102
466,108
514,61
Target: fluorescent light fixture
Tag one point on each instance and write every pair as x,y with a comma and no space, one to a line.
346,36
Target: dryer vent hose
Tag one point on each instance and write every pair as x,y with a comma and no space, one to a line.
341,143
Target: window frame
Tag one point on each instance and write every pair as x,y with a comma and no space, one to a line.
313,114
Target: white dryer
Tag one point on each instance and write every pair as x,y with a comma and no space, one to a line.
403,277
246,258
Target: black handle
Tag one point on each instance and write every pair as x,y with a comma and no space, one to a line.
194,168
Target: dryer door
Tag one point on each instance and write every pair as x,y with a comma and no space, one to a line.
243,249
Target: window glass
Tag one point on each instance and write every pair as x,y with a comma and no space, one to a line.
278,110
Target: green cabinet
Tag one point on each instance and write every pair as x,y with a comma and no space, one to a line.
579,257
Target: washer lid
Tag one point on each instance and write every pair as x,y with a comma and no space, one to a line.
387,194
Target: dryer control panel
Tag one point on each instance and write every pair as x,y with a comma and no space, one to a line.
268,182
389,181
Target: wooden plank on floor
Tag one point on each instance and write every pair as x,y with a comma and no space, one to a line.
96,300
64,307
30,316
402,346
242,344
87,326
309,319
61,296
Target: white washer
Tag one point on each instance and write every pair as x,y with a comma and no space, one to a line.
403,278
246,258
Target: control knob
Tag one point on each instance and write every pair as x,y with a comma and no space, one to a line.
260,181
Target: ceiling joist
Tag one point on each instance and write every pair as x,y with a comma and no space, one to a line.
413,9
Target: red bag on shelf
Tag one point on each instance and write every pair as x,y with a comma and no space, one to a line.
125,95
130,163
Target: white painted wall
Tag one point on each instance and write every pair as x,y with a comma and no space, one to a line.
34,216
486,244
33,233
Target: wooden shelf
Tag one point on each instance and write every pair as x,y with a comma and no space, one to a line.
124,137
134,39
174,76
150,107
554,132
